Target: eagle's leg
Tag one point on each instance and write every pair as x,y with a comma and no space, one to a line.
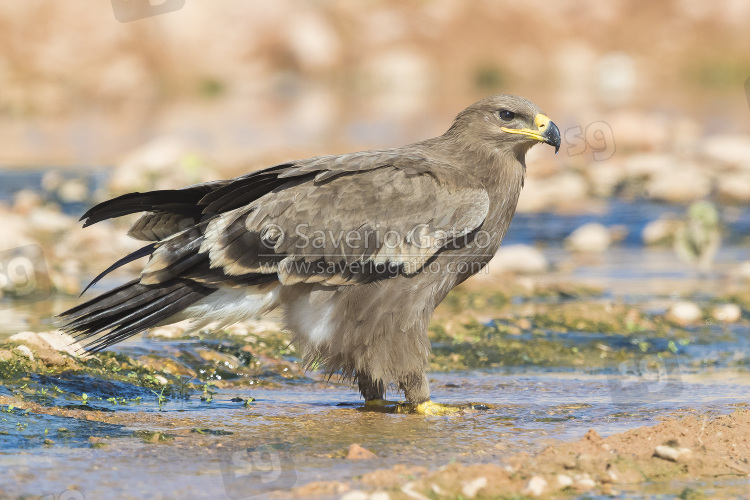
370,389
416,389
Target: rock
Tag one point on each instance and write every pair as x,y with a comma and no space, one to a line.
583,482
60,341
539,195
604,177
679,185
26,200
684,313
673,454
639,131
521,259
729,150
471,488
313,40
727,313
536,486
25,352
408,490
379,495
161,379
591,237
48,345
48,221
356,452
564,481
73,191
647,165
743,270
15,231
355,495
660,232
734,186
164,163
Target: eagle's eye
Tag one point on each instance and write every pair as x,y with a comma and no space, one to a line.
506,115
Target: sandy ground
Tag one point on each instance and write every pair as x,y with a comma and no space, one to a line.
699,449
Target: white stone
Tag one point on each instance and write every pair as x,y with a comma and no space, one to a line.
734,186
355,495
685,312
672,454
379,495
564,481
408,490
591,237
679,185
539,195
604,177
473,487
535,487
727,313
73,191
584,483
313,40
45,220
732,150
522,259
660,232
24,351
60,341
743,271
648,164
55,340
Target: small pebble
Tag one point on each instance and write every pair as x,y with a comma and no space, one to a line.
471,488
671,453
685,312
727,313
379,495
356,452
355,495
584,482
564,481
24,351
535,487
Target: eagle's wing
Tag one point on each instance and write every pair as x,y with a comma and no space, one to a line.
336,220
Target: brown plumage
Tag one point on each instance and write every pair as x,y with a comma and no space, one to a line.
358,249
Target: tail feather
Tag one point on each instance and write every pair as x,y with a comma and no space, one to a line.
128,310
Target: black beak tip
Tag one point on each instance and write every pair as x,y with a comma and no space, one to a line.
552,136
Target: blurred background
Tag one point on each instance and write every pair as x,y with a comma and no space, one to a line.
650,97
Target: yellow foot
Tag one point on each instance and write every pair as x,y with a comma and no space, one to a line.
428,408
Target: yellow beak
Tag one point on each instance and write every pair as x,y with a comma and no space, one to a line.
546,131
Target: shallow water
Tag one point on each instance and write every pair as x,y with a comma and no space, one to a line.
309,429
298,431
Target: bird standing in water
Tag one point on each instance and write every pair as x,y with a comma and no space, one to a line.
358,249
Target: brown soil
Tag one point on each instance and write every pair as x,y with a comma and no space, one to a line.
701,448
